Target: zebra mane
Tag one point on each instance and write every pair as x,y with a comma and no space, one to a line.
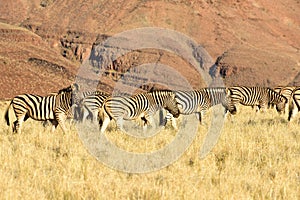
65,90
71,88
164,90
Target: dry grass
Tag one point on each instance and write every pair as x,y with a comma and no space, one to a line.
254,159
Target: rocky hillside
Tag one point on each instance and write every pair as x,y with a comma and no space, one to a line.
44,42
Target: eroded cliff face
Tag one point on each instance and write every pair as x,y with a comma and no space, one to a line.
43,43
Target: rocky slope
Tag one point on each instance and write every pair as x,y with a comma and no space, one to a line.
44,42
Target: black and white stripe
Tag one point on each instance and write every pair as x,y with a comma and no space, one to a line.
261,97
294,103
138,107
199,101
52,107
91,104
287,91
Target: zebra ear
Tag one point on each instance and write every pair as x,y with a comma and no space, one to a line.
173,95
75,87
228,92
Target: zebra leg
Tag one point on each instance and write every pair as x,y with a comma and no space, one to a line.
170,117
85,114
145,123
198,116
54,124
257,108
105,123
262,107
162,120
150,121
18,124
95,114
61,118
119,122
293,110
174,124
14,126
230,115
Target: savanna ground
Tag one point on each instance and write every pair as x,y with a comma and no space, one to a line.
254,159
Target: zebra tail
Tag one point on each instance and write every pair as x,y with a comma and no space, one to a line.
101,115
6,116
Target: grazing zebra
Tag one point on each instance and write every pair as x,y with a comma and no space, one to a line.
256,96
91,104
294,103
138,107
278,88
199,101
52,107
287,91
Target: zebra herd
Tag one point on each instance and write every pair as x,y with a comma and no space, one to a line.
102,107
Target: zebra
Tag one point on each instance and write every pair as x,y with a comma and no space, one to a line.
278,88
256,96
198,102
91,104
138,107
72,113
287,92
53,107
294,103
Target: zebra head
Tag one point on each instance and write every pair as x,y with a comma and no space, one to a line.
280,106
76,94
277,99
170,104
72,94
228,103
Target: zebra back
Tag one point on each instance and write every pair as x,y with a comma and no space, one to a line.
256,96
162,99
275,98
94,101
124,107
133,107
278,88
35,106
287,91
190,101
249,96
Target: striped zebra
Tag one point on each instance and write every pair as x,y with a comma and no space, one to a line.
91,104
199,101
256,96
72,113
294,103
138,107
54,107
287,92
278,89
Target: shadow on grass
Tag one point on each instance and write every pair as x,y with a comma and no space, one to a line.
266,121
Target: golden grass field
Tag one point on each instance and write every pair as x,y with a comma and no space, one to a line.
254,159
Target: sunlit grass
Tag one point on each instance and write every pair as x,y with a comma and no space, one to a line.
256,157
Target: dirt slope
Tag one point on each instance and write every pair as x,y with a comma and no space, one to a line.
43,42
